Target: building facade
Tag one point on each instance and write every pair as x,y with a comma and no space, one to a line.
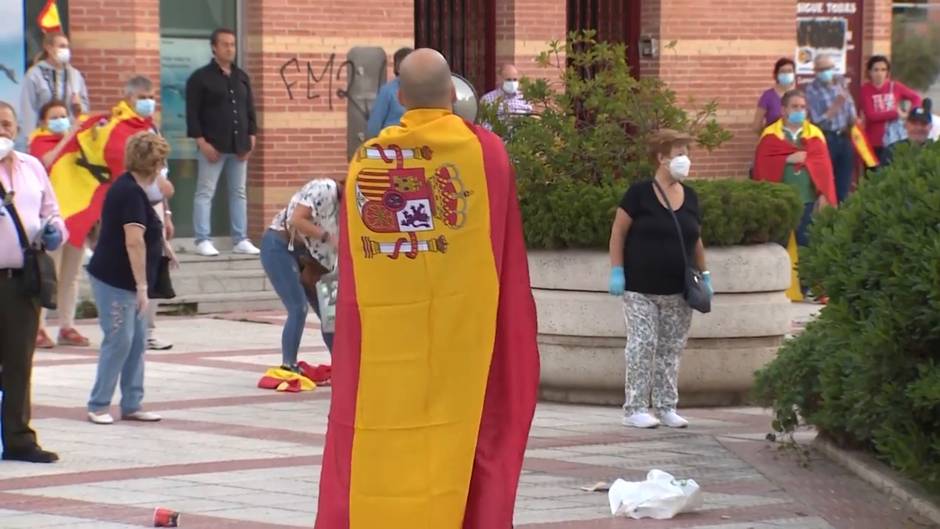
316,64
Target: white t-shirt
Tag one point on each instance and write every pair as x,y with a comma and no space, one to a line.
321,196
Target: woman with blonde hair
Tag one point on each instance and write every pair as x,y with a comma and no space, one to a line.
52,77
125,264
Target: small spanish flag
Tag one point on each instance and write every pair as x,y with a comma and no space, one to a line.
864,150
49,20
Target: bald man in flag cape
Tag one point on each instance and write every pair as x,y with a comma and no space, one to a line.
435,371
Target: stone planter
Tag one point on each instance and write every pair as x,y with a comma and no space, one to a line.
582,331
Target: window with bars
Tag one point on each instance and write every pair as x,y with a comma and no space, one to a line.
464,32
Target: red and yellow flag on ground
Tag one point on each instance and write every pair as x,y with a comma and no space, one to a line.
773,150
436,368
48,19
83,171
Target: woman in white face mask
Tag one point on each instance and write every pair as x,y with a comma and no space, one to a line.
648,271
52,77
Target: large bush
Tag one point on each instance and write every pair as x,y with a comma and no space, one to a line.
914,53
589,140
867,371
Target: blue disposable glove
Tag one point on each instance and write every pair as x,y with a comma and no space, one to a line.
617,282
707,279
51,237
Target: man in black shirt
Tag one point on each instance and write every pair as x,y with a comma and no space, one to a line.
220,115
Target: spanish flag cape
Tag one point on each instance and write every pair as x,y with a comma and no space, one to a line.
436,367
773,149
82,173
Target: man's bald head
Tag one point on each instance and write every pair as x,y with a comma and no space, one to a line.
425,81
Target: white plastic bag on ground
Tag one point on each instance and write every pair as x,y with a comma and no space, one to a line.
661,496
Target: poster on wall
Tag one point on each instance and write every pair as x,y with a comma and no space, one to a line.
179,58
833,29
12,51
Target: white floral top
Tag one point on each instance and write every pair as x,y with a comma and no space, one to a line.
321,196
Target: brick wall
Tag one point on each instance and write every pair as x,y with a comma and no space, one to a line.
523,30
114,40
877,39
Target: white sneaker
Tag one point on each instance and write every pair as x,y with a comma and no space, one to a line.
100,418
206,249
245,247
143,416
156,344
641,419
672,419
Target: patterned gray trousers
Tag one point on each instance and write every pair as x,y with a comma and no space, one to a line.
657,330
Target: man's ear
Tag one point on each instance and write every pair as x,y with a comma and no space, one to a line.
401,99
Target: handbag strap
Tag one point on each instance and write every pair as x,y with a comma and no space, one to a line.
685,260
20,232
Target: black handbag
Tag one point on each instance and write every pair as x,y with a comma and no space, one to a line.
163,287
39,275
695,292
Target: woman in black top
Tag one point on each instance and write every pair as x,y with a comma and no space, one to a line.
126,259
648,270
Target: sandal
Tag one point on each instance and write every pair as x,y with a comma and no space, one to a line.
43,341
72,337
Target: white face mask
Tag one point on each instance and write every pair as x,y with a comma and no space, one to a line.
6,147
510,87
63,55
679,167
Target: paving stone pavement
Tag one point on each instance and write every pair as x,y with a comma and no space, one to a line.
229,455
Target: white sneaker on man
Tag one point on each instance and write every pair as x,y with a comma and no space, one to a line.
641,419
142,416
206,249
245,247
156,344
672,419
100,418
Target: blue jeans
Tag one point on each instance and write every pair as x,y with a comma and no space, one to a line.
842,154
236,173
802,231
282,269
122,348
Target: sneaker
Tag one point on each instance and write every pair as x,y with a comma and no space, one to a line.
142,416
72,337
43,341
100,418
641,419
245,247
672,419
156,344
206,249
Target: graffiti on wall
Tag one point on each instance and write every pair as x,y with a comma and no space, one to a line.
355,80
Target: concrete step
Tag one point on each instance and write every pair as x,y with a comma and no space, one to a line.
221,302
197,263
188,282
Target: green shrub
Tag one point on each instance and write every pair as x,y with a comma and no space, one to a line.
588,141
915,61
866,373
571,215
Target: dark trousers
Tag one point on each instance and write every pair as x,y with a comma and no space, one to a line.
842,154
802,231
19,321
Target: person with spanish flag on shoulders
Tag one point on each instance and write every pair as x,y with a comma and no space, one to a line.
436,367
793,151
47,143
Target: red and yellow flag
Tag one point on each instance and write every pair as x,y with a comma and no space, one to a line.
863,148
48,19
436,368
773,150
83,171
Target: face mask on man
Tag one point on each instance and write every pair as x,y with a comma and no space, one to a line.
786,79
6,147
145,107
679,167
59,125
63,55
797,117
510,87
825,76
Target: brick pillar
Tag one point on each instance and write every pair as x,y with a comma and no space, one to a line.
300,138
724,58
877,36
112,40
523,30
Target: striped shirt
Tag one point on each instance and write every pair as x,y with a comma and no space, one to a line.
820,97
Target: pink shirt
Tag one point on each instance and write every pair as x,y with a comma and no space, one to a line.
34,200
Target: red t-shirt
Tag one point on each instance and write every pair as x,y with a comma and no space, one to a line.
880,105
